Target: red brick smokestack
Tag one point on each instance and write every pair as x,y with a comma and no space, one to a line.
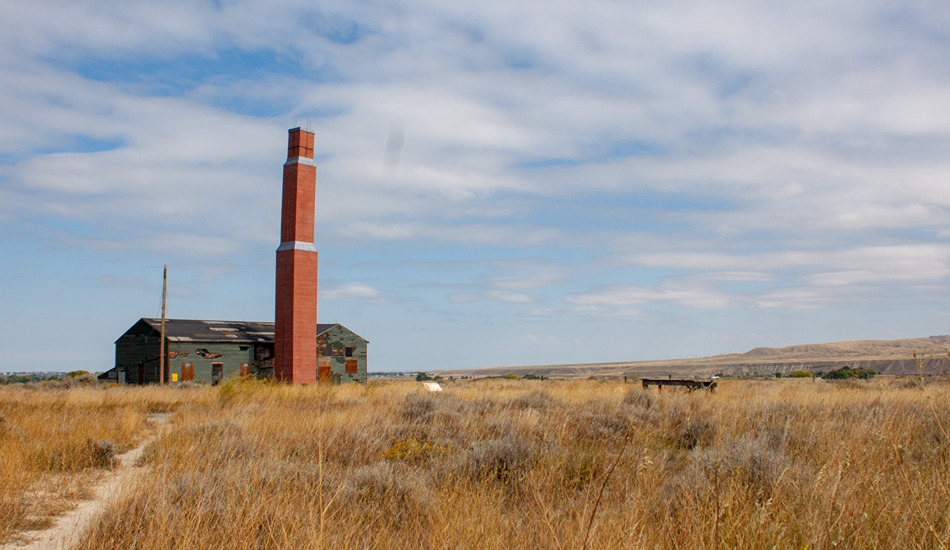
295,334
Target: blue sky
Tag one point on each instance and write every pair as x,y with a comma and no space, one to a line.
498,183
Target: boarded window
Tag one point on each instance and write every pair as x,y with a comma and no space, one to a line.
351,366
187,372
245,369
323,369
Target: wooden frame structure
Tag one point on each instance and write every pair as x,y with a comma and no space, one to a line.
690,385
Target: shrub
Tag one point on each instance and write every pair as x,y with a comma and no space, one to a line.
391,494
504,459
693,432
413,451
416,406
799,374
846,372
605,425
102,453
747,461
238,389
639,398
533,400
220,440
580,467
72,380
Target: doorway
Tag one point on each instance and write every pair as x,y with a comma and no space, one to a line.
217,373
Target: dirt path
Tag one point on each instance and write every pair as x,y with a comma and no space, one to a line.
68,529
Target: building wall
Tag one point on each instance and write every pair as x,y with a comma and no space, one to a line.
332,344
132,350
140,346
203,354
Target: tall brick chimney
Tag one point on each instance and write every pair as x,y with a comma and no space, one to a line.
295,333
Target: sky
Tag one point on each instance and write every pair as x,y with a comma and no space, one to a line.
498,182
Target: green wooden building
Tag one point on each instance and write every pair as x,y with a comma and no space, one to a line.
213,351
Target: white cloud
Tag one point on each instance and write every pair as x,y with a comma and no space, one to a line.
350,291
911,262
506,296
795,299
538,280
510,296
463,297
606,312
681,155
540,312
681,293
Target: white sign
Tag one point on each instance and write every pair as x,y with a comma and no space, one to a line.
432,386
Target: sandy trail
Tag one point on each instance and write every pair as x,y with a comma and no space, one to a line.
68,529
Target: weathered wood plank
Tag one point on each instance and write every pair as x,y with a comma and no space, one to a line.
690,385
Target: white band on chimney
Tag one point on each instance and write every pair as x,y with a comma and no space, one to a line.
300,160
297,245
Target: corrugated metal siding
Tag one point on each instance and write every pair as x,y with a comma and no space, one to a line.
134,349
203,354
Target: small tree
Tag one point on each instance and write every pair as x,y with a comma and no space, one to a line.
846,372
422,377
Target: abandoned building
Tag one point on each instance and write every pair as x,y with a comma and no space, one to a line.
213,351
295,348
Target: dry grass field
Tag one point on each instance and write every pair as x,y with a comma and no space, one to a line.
55,442
495,464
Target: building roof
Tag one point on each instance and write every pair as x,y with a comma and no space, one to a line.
195,330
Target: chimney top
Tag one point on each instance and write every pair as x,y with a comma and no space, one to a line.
300,144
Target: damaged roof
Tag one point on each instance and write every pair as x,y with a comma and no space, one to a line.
194,330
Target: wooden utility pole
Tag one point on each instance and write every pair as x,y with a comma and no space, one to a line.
161,350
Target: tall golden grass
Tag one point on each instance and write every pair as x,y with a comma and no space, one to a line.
530,464
55,440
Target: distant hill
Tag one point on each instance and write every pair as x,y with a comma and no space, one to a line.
881,356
